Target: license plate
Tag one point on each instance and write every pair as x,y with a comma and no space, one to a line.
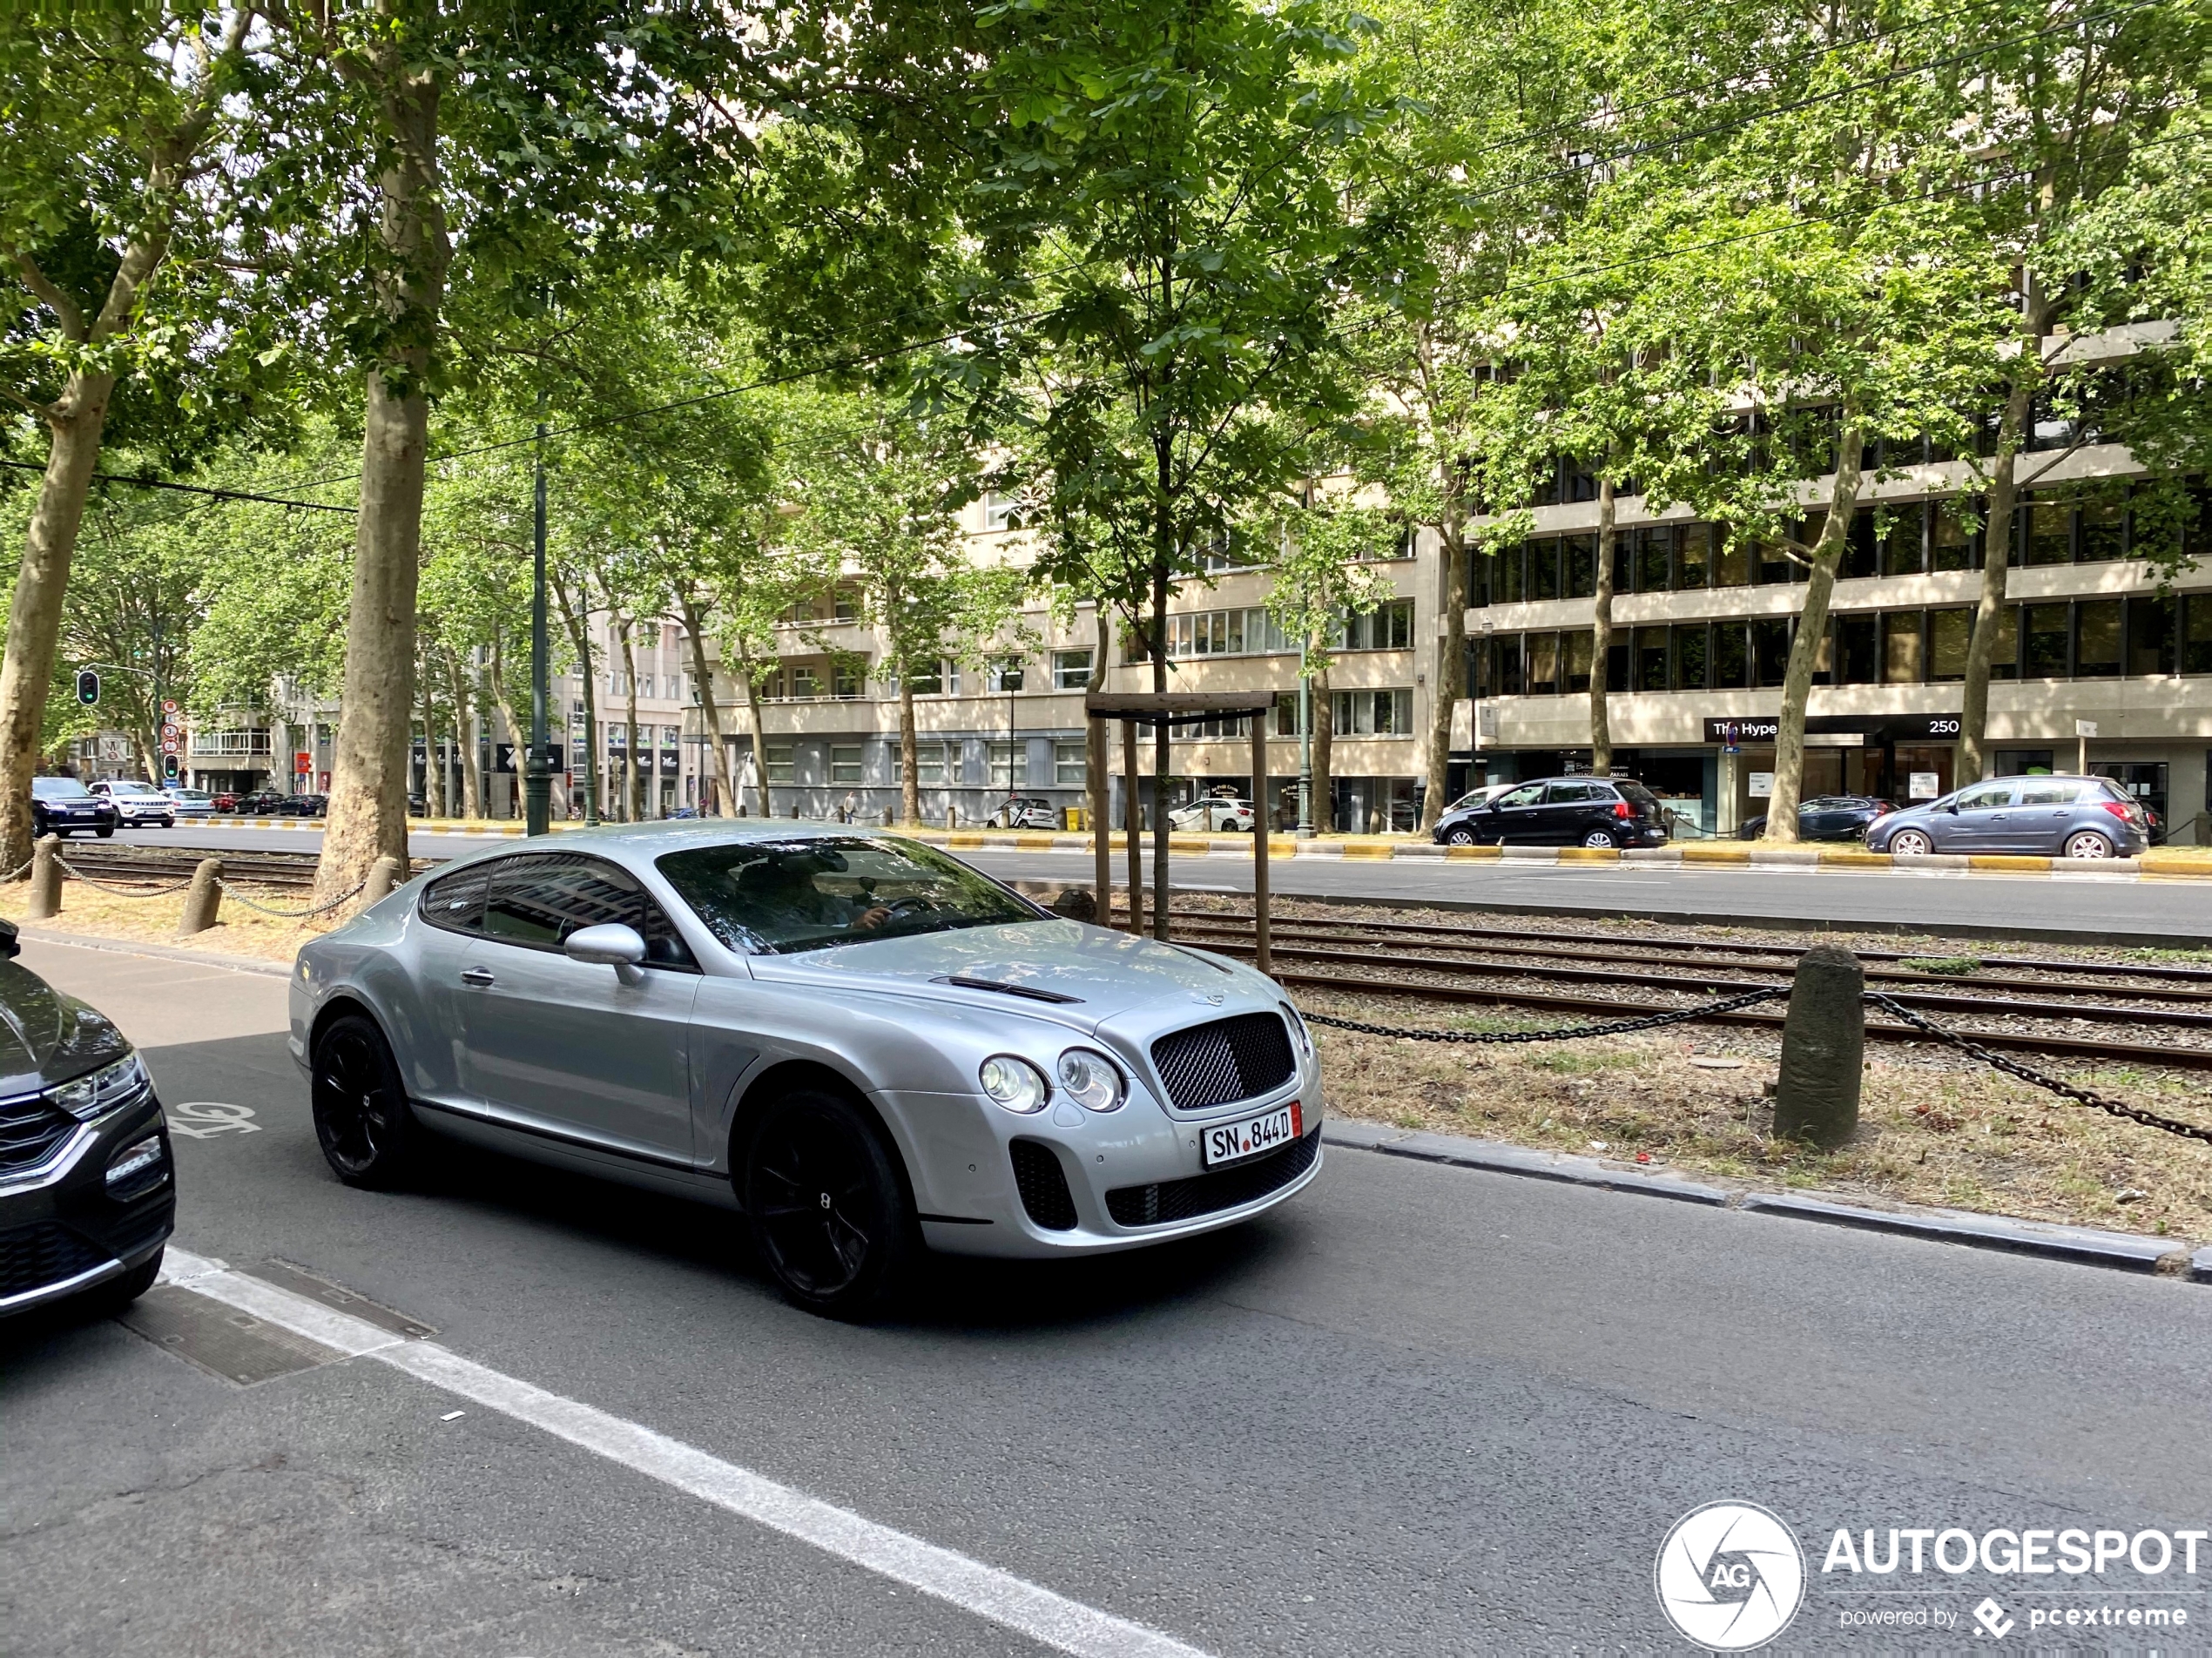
1233,1141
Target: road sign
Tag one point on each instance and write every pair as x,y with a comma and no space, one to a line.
168,707
168,745
88,687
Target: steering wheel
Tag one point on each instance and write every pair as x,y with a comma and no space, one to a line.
910,905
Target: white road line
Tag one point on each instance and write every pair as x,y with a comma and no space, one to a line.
1019,1605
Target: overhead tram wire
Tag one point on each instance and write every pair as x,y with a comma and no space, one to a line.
189,489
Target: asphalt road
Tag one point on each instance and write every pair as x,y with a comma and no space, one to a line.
1418,1411
2119,909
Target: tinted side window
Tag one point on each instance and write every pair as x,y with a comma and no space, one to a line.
1985,796
1528,796
455,902
2049,794
541,899
1575,793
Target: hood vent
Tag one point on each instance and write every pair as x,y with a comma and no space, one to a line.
964,982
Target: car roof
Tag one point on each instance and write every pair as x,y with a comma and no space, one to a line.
635,843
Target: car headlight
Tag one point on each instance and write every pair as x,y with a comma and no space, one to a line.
90,1098
1015,1083
1296,1022
1091,1080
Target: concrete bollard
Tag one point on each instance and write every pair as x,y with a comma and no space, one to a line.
1824,1041
952,818
383,876
886,819
1076,903
202,897
45,880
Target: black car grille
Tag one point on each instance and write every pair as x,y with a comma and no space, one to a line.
29,1130
1227,1060
1043,1185
1181,1200
33,1256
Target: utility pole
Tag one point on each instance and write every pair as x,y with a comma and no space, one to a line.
1304,751
537,769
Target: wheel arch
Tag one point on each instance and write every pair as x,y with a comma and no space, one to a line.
789,1075
337,1007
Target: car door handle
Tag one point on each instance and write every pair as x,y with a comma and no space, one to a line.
478,976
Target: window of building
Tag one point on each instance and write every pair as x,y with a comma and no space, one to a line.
1005,676
2104,530
1948,633
1214,730
1855,644
1000,512
1508,567
1009,766
1693,555
1732,566
1543,569
1542,665
1071,670
1654,551
2196,634
1580,555
1068,762
1901,648
847,681
845,763
1861,556
1579,649
929,765
2046,654
1506,664
1731,657
2096,639
1649,649
2050,534
780,768
1770,650
1775,566
1387,627
2005,650
1692,658
1379,713
1904,542
1952,545
2150,636
1224,633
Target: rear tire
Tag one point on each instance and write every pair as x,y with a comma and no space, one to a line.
1911,843
368,1136
2088,843
1600,840
828,1209
106,832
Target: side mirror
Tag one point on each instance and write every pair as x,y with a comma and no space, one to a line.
611,945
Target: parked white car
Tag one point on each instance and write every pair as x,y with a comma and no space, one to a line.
136,805
1214,816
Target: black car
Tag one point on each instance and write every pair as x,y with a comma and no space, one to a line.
301,806
62,806
1560,812
1827,817
87,1200
262,803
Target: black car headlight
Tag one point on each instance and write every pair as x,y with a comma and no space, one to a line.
105,1092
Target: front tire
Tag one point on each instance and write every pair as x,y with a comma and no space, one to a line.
1460,837
368,1136
1911,843
829,1212
106,832
118,1293
2088,843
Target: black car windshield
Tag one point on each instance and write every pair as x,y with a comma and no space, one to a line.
59,789
780,897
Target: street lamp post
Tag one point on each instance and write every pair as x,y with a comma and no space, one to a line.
1304,751
537,769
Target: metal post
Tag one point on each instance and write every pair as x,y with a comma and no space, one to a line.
1101,849
537,769
1129,815
1162,732
1261,828
1305,751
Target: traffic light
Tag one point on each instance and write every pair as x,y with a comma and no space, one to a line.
168,768
88,687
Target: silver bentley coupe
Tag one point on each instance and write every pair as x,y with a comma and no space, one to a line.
865,1046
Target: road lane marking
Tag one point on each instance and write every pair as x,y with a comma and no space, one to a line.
1026,1607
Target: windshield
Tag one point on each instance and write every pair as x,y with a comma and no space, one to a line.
779,897
58,789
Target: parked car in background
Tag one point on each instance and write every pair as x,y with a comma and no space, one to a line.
1596,812
87,1201
136,805
62,806
259,804
191,803
1215,815
302,806
1025,811
2053,816
864,1046
1827,817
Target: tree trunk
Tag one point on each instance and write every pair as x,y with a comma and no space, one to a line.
35,614
1974,755
1609,538
632,794
725,793
517,747
466,717
367,817
759,739
909,783
1161,733
578,621
1812,628
1096,786
1325,731
1449,678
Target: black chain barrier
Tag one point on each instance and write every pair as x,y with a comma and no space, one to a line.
1616,1028
2010,1067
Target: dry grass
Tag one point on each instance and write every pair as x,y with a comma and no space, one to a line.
1930,1131
238,930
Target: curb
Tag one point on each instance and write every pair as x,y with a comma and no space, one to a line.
163,952
2083,1246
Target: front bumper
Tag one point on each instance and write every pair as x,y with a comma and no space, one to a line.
1071,1181
63,1232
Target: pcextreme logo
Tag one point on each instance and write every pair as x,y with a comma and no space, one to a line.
1730,1576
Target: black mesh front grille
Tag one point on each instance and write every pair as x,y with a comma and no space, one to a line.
33,1256
29,1130
1043,1185
1181,1200
1227,1060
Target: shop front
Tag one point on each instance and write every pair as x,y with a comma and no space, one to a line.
1902,759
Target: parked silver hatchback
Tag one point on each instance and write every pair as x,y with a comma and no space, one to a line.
863,1045
2054,816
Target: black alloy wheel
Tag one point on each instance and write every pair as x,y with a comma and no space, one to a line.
1462,836
367,1133
829,1214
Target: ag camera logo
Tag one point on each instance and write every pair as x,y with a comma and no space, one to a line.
1730,1576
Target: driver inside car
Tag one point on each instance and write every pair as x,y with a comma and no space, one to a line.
778,892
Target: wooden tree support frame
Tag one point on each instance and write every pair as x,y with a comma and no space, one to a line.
1133,709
